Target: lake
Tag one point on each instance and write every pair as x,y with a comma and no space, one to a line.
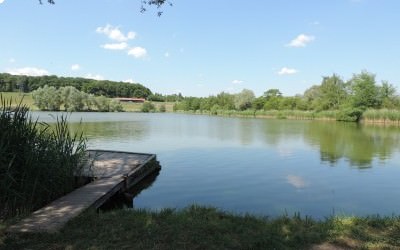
259,166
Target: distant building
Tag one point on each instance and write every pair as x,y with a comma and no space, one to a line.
129,99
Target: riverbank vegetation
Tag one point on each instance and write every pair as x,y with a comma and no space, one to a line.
208,228
22,83
334,99
360,98
37,163
71,99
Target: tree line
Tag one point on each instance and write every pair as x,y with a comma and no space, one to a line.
13,83
50,98
350,98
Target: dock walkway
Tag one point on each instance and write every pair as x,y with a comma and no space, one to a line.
113,172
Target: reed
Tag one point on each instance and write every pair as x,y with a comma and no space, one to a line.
38,163
381,115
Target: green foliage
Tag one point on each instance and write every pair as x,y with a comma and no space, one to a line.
273,103
365,93
148,107
162,108
38,163
107,88
258,103
349,114
50,98
332,93
244,99
382,115
47,98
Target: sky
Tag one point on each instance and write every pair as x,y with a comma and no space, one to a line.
201,48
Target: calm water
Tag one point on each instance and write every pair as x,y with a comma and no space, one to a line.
264,167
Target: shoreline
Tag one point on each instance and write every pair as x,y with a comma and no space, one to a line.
365,121
200,227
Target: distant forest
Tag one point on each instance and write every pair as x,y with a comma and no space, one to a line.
12,83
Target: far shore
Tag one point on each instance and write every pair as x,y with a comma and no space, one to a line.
26,99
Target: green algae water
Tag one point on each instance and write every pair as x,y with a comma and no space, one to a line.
258,166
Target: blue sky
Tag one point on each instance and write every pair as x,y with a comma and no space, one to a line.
203,47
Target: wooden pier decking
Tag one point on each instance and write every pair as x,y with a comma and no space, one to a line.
114,172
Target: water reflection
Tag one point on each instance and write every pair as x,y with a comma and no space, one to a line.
359,145
126,199
255,165
356,143
120,130
296,181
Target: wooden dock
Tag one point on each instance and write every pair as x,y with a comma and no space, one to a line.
113,172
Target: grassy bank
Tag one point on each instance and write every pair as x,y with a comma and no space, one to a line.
24,98
137,107
207,228
27,100
381,116
273,114
374,116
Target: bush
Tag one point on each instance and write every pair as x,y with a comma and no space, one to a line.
349,115
148,107
37,163
162,108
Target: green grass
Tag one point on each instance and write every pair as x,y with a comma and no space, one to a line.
208,228
127,106
17,97
381,116
137,107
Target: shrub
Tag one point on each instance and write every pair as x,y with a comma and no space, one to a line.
148,107
162,108
349,114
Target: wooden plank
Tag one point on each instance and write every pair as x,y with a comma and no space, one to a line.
117,172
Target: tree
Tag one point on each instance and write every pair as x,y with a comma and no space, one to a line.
273,99
244,99
332,93
272,93
148,107
47,98
387,95
364,91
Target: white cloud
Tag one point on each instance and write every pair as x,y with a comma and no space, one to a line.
131,35
166,54
28,71
129,80
75,67
137,52
94,77
115,46
237,81
114,33
287,71
301,41
1,1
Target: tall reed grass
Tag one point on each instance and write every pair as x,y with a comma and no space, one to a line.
37,163
381,115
